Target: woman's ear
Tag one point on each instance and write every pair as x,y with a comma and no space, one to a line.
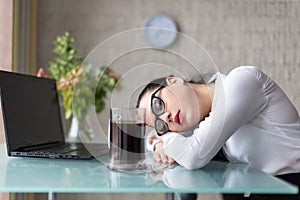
174,80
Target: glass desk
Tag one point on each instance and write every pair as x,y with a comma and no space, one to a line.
57,176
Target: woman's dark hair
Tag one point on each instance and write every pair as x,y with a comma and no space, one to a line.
152,86
156,83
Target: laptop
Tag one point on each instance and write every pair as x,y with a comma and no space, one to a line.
32,120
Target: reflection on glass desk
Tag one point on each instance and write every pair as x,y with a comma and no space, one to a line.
49,175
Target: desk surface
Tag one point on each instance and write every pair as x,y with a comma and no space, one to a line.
49,175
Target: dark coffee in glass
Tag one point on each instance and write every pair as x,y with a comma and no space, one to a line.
127,139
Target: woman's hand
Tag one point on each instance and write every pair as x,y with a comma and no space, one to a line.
159,154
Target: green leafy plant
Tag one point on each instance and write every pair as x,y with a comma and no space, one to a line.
67,58
88,86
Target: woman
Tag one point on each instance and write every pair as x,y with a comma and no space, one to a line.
245,114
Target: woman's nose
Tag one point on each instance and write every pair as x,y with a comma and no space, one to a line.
166,116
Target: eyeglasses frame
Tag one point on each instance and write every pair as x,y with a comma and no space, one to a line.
157,115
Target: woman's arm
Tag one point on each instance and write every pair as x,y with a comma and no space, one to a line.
155,144
238,99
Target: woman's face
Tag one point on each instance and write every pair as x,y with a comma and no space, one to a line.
182,110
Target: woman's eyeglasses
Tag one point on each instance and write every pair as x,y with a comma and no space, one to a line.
158,108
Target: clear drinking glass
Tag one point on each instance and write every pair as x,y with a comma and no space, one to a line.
127,139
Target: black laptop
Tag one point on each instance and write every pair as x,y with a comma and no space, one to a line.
32,120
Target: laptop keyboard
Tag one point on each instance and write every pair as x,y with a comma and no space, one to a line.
67,150
61,148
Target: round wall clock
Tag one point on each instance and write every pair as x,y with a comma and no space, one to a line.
160,31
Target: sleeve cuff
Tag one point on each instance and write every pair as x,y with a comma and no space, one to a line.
150,147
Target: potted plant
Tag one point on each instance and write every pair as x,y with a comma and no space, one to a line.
91,85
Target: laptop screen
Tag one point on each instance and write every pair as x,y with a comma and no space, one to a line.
30,108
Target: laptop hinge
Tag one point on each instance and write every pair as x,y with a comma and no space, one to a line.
32,147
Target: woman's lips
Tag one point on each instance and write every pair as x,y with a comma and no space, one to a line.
178,117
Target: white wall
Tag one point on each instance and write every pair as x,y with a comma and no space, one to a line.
264,33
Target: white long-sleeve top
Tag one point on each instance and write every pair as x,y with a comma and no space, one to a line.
251,119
